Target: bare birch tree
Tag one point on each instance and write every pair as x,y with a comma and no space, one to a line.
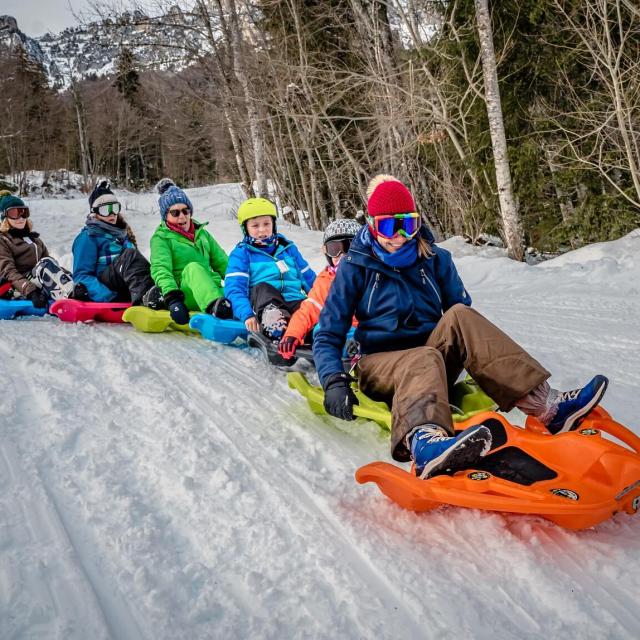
511,223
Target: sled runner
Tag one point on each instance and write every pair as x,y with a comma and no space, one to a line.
69,310
153,321
467,400
270,351
575,479
12,308
228,331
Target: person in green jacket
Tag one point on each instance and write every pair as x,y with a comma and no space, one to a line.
187,264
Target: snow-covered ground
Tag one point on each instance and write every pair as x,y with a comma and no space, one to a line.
163,486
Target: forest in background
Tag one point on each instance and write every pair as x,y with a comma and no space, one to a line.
314,97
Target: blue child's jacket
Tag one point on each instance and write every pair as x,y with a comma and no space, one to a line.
94,249
396,308
286,270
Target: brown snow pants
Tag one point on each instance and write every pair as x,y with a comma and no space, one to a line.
416,382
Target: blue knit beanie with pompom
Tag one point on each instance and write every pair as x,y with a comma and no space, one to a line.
170,194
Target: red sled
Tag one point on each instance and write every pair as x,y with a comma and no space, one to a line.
76,311
575,479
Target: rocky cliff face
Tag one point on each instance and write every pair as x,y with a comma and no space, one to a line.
92,49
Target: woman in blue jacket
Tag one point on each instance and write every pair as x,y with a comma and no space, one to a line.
417,332
267,278
107,266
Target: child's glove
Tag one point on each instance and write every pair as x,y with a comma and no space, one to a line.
339,397
39,299
287,347
177,309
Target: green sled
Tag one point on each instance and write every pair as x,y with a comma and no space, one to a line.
466,401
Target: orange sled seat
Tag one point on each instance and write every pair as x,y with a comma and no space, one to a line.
574,479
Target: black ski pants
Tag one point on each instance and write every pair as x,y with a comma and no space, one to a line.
129,275
263,294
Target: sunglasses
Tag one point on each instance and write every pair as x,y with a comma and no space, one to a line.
108,209
14,213
406,224
175,213
334,248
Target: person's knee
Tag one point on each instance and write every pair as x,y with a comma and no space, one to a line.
194,269
459,309
419,360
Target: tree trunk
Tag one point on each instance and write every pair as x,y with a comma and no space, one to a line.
242,75
84,152
564,201
511,223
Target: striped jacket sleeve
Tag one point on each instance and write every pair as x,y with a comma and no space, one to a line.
236,284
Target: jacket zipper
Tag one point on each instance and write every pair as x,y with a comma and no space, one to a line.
426,279
373,290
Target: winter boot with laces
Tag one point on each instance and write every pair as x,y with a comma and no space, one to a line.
153,299
573,406
274,321
221,309
435,452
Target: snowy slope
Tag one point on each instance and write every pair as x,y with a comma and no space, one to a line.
162,486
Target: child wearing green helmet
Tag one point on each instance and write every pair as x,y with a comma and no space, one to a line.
267,278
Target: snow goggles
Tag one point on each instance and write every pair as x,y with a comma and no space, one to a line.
334,248
16,212
108,209
405,224
175,213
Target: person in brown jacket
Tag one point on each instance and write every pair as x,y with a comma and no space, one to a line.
26,269
416,333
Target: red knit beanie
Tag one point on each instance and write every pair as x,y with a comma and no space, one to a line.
387,196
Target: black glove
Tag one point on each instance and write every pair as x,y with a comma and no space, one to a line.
38,298
80,293
339,397
177,309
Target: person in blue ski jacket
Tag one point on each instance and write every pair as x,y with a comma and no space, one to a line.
107,265
416,333
267,278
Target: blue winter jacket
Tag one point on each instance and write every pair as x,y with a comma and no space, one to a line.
396,309
94,249
248,266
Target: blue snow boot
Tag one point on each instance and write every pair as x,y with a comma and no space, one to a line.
435,452
574,405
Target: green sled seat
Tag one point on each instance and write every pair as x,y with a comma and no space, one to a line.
466,400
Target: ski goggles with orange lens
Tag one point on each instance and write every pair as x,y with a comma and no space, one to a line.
108,209
17,212
405,224
334,248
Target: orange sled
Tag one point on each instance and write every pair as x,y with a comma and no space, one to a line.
574,479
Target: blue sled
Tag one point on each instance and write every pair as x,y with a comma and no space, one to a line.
12,308
225,331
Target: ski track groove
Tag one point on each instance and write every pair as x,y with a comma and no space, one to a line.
53,517
365,568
